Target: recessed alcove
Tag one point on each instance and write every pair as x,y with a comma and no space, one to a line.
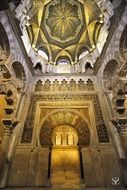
65,157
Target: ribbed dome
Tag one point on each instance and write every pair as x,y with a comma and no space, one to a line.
63,21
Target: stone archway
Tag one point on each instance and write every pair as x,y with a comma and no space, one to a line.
63,117
109,74
64,135
65,157
65,132
19,73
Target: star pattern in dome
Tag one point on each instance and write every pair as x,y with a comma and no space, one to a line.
63,21
64,28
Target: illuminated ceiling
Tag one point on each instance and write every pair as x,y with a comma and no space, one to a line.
64,28
63,21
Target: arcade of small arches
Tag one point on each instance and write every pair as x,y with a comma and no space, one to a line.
65,136
63,97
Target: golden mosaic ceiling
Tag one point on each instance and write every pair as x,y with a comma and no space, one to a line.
63,21
64,28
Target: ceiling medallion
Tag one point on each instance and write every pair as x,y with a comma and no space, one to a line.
63,20
72,29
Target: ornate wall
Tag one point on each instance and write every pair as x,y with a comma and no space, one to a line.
79,109
91,101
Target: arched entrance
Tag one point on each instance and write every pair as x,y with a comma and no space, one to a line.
65,132
65,157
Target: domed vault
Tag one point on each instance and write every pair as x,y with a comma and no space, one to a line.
64,28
